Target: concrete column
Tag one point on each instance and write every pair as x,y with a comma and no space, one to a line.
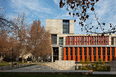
60,53
64,41
57,40
109,39
52,54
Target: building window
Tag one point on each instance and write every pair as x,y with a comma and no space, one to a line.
113,51
76,51
65,26
103,51
85,51
66,51
89,51
54,38
80,51
94,51
99,51
108,51
60,40
71,52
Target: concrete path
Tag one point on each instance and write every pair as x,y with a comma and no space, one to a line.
104,73
47,69
34,68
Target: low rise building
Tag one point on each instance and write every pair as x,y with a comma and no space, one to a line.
69,46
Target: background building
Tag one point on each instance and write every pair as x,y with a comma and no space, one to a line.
69,46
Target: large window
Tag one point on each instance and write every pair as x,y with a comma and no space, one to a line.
99,51
60,40
54,38
89,51
76,51
103,51
108,51
94,51
113,51
66,51
80,51
71,52
85,51
65,26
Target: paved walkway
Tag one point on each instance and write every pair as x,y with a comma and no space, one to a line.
34,68
47,69
104,73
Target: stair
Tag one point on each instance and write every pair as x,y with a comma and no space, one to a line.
62,65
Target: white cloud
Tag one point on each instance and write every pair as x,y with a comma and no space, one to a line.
56,2
31,5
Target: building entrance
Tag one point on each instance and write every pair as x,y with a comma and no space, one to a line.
55,53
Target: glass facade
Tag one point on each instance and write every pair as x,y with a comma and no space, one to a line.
54,38
60,40
65,26
93,57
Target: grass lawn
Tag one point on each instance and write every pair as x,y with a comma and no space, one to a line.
4,63
47,75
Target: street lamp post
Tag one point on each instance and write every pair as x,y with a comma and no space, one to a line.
12,57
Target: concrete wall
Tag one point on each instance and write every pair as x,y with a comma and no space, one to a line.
55,26
71,27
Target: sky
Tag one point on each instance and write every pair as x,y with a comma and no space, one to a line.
49,9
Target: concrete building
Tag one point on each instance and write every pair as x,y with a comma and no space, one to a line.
69,46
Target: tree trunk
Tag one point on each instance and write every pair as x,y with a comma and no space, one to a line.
22,59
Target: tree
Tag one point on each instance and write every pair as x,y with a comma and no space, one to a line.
79,8
20,33
5,23
4,46
7,43
39,40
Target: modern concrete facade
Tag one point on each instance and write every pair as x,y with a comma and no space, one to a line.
69,46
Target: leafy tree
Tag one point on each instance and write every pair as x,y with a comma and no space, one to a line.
5,23
80,8
20,33
7,43
39,40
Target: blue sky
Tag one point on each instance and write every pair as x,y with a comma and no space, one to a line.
49,9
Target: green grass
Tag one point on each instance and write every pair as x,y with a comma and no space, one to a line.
48,75
4,63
